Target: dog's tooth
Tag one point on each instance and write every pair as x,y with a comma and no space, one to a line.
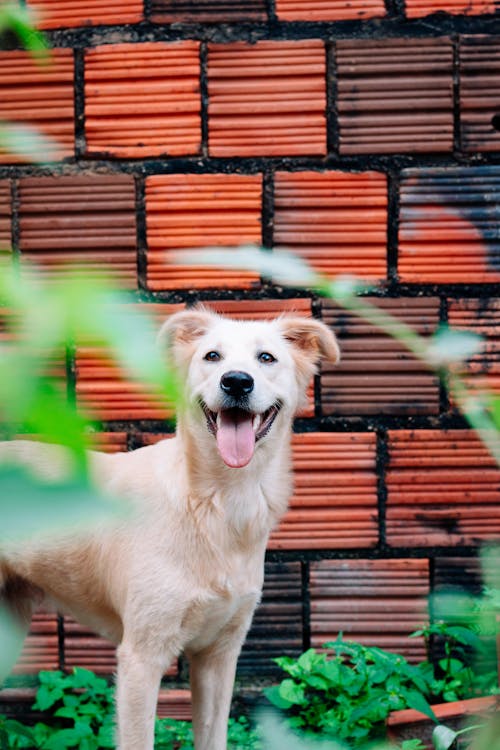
257,420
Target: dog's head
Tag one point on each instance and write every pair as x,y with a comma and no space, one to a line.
243,376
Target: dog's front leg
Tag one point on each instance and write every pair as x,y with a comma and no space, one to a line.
138,683
212,673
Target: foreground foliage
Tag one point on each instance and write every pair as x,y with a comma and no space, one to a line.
347,691
80,714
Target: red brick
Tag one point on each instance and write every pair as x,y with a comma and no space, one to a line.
419,8
442,489
337,221
376,374
277,624
267,99
174,704
376,602
195,211
480,93
334,505
448,225
109,442
5,215
329,10
106,393
207,11
54,14
481,316
395,96
39,95
143,99
41,648
85,220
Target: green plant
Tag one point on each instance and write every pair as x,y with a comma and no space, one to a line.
79,711
347,692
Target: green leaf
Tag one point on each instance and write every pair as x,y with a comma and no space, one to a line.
46,697
494,408
21,19
273,695
417,701
293,693
308,660
443,737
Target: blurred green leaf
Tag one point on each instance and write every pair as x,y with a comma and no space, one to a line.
449,346
280,266
20,19
27,142
494,408
29,505
11,641
443,737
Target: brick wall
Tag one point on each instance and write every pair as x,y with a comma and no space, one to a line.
363,135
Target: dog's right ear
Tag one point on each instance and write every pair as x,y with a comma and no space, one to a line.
181,331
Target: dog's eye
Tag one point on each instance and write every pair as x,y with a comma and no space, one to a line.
266,358
212,356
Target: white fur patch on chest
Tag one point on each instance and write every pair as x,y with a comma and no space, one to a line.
209,616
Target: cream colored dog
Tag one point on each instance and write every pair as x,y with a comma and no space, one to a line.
186,573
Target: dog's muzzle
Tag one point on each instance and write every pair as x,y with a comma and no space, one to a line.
237,430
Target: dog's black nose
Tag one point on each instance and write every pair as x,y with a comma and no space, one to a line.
236,383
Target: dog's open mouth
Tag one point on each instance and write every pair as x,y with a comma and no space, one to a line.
238,430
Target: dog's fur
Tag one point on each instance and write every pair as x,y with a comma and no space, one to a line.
185,572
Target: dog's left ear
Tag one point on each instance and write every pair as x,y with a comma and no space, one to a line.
311,339
185,327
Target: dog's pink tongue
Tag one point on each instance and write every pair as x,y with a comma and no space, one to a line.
235,437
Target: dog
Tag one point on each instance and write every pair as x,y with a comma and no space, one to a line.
184,573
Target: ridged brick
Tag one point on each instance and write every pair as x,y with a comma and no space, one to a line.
481,316
448,225
329,10
109,442
377,374
277,624
105,392
207,11
40,96
442,489
143,100
186,212
41,647
334,505
395,96
174,704
5,215
337,221
419,8
85,220
480,93
267,99
376,602
55,14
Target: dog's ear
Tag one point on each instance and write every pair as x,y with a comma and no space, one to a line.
310,338
185,327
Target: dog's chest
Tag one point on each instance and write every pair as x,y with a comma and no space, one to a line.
230,602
